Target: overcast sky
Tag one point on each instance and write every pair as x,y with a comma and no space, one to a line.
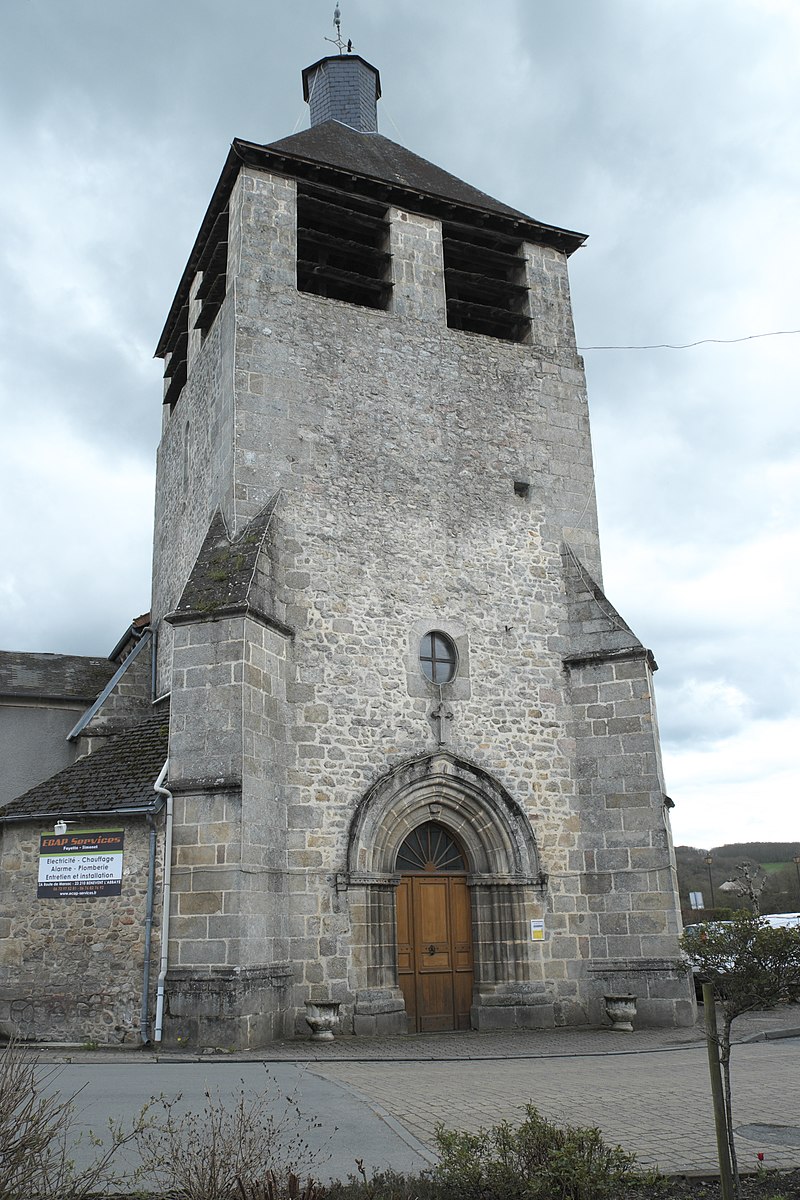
665,129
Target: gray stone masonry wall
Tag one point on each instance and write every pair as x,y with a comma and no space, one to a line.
73,970
393,444
227,771
624,860
194,475
415,243
229,824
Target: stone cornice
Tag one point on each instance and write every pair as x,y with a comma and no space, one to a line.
200,616
611,655
181,787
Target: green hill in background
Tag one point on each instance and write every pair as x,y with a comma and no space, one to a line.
775,859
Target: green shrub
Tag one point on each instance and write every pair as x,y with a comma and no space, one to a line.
533,1161
387,1185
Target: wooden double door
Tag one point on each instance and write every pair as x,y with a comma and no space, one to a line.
434,950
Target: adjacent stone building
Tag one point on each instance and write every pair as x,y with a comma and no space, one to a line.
79,929
414,765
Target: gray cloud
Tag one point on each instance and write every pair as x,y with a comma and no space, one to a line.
667,132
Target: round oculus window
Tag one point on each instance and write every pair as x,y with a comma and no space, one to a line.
437,657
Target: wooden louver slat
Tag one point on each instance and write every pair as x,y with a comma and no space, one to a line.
342,247
485,283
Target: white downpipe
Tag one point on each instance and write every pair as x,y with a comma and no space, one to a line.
165,902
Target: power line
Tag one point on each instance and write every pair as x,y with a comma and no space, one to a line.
701,342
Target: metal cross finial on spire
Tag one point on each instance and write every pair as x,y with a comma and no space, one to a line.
337,41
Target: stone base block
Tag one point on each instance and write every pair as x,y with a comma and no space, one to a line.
34,1012
379,1012
232,1009
513,1006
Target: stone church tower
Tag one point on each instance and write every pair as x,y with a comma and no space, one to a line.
412,747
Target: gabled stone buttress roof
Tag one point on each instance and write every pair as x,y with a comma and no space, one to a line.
597,632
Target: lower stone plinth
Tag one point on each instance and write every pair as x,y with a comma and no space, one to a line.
379,1012
232,1009
663,989
513,1006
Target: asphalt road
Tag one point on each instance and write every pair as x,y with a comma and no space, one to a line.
338,1125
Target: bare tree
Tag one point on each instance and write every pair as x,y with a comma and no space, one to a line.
749,884
38,1136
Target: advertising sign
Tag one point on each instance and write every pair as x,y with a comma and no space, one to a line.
86,862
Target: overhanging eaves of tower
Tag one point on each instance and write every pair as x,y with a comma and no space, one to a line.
374,158
369,165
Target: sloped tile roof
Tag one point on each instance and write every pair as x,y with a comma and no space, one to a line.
376,157
120,775
53,676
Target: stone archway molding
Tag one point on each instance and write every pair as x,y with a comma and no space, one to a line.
505,881
494,831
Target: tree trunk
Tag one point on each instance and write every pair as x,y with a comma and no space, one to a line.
725,1063
721,1120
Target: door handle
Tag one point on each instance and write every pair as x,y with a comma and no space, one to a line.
431,949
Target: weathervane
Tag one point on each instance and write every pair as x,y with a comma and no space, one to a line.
337,41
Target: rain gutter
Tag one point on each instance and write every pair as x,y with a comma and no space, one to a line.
112,683
139,810
165,902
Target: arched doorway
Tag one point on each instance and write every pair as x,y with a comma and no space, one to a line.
434,930
501,877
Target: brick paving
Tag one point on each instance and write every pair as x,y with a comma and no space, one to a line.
655,1103
647,1091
